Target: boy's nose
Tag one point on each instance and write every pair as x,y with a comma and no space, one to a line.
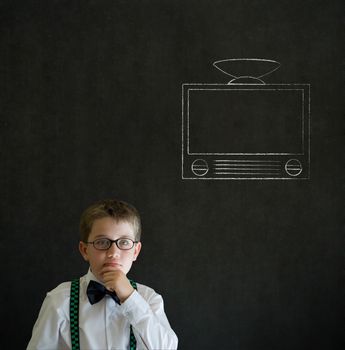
113,250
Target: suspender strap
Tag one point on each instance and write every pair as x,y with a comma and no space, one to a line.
74,314
74,317
132,340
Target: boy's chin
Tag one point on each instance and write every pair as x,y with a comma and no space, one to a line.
113,269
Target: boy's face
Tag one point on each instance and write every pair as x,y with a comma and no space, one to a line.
113,258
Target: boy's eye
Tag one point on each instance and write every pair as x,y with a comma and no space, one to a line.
102,243
124,243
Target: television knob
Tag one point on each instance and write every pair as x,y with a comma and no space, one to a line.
293,167
200,167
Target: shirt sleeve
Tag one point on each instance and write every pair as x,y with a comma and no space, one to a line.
147,317
49,327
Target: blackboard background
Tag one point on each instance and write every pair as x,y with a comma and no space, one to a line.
91,108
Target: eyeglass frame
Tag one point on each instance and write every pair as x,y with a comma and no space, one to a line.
111,243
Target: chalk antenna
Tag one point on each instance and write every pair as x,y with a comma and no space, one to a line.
246,70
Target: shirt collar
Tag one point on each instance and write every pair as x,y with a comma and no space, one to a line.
90,276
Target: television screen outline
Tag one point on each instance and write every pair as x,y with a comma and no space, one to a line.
246,165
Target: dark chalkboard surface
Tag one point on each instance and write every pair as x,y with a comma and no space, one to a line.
91,108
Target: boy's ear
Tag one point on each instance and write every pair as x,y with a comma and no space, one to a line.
137,250
83,250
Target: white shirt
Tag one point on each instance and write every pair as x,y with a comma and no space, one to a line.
104,325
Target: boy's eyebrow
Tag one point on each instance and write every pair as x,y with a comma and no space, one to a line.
106,236
101,236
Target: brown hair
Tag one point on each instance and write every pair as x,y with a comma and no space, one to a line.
116,209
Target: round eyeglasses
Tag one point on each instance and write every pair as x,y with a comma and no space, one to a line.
105,243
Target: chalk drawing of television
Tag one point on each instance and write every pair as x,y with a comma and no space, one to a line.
245,129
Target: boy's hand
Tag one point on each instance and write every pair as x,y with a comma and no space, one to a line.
116,281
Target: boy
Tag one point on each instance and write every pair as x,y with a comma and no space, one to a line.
112,313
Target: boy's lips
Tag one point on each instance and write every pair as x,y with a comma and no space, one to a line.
112,264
